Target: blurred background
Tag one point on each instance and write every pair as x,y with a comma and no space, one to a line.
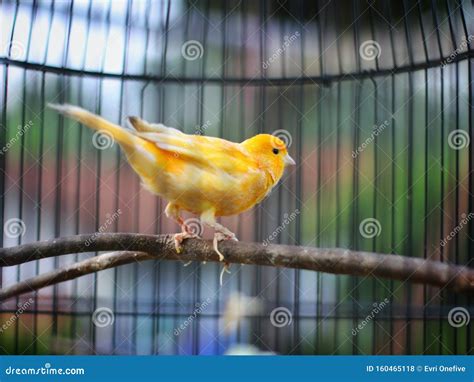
375,100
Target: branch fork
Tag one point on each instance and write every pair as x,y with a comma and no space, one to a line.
129,248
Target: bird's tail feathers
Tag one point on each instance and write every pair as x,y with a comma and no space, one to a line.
123,137
137,149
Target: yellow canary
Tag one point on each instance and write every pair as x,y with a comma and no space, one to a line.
206,176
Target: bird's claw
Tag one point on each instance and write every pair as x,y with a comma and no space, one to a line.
219,236
180,237
216,248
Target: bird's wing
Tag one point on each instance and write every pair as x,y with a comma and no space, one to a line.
143,126
206,152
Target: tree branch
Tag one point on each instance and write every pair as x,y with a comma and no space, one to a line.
70,272
139,247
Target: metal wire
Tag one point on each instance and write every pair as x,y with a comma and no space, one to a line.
121,58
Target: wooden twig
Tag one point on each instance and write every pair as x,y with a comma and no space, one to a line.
70,272
139,247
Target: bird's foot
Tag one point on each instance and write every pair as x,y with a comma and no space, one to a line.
219,236
180,237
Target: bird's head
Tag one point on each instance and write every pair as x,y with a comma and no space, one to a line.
270,152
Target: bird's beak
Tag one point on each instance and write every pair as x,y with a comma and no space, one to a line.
288,160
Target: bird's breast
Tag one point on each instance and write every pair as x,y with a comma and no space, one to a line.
197,190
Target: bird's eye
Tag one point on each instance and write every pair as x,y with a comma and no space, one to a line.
276,151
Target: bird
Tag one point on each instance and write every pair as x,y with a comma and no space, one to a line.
207,176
